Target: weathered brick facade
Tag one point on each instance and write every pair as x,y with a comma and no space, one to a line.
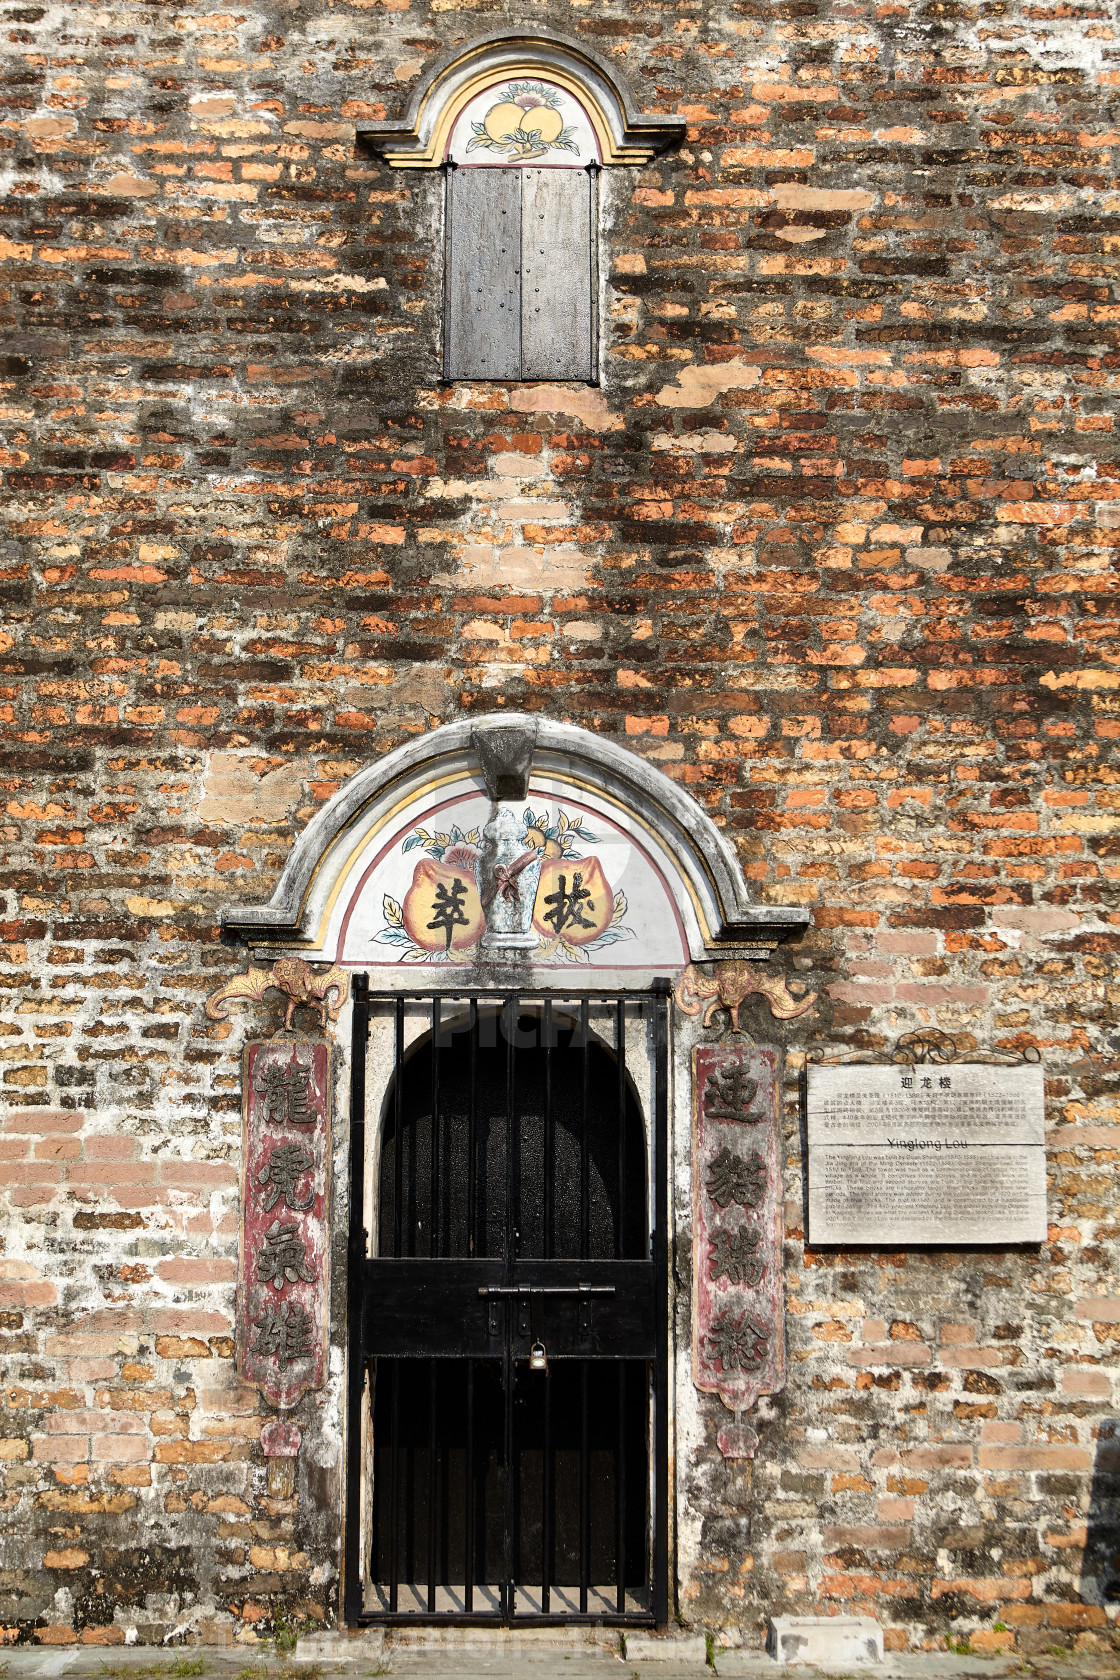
832,545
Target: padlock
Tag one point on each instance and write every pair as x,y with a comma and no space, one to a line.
538,1359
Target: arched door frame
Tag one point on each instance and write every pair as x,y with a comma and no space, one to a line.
493,759
369,1099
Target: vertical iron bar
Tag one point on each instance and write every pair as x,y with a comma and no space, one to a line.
433,1233
509,1368
468,1496
515,1486
584,1189
395,1488
659,1597
620,1058
546,1499
355,1407
549,1147
398,1134
506,1599
620,1495
472,1134
509,1016
431,1487
584,1492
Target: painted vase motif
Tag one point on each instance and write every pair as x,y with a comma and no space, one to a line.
508,871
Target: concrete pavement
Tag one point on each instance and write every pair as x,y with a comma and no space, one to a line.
551,1654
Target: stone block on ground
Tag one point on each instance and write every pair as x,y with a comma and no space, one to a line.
826,1641
678,1648
364,1645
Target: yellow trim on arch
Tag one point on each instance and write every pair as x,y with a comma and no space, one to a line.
432,155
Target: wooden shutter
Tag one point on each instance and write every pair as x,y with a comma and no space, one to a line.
520,263
556,261
483,321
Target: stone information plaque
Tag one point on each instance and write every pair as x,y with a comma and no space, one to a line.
927,1154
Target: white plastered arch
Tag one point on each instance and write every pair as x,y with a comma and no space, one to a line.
512,758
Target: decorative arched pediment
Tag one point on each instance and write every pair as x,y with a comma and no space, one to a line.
582,80
519,839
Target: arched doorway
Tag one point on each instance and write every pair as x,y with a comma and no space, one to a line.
513,1322
396,882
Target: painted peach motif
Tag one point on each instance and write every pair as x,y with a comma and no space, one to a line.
442,910
573,902
525,122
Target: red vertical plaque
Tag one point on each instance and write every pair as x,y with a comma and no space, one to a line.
282,1279
738,1340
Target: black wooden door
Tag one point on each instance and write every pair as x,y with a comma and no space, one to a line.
511,1332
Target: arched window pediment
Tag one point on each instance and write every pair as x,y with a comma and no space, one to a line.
470,79
521,125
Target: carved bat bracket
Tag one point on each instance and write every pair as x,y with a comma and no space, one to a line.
729,986
299,983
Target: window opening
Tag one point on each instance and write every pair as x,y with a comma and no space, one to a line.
521,236
521,273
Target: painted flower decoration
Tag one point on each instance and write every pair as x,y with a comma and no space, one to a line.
554,839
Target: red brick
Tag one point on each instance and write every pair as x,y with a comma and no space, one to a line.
42,1120
120,1449
109,1149
184,1269
197,1175
1090,1383
1075,1616
114,1173
60,1449
955,1455
1042,1456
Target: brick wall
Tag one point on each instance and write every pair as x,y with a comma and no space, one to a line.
832,546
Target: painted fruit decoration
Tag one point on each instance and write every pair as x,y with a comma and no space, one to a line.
574,904
441,916
442,910
577,914
524,122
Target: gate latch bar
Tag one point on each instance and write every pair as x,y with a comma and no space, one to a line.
493,1292
547,1289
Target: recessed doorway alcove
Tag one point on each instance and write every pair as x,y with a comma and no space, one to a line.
515,900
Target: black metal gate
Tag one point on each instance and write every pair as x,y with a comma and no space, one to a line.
507,1446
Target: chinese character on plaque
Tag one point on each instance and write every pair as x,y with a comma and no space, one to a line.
282,1284
738,1342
